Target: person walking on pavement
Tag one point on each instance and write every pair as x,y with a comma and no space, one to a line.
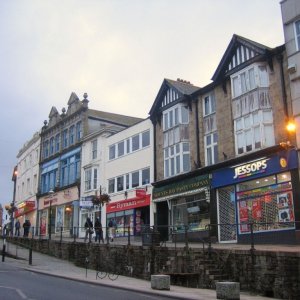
98,231
88,230
111,229
17,227
26,227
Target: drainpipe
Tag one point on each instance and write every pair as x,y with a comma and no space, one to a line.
283,90
197,134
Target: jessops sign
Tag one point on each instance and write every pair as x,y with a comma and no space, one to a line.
264,166
250,169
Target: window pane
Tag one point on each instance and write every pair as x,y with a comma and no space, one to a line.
209,156
208,140
121,148
146,139
128,146
166,139
172,162
146,176
177,164
185,147
251,79
216,155
167,174
257,137
166,153
243,83
267,116
135,179
206,106
176,116
263,76
235,83
112,152
248,136
166,121
186,162
248,121
239,124
127,181
240,143
120,183
269,135
111,185
135,143
171,120
95,179
184,115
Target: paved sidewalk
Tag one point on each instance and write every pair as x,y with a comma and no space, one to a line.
56,267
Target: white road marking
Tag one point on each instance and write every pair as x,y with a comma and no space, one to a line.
21,294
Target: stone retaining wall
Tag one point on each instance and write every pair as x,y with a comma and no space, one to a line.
274,274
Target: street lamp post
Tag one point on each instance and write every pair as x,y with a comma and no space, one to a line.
51,192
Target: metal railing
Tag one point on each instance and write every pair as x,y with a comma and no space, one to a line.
247,234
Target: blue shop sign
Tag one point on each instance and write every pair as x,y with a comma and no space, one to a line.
264,166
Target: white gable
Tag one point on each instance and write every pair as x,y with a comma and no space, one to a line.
170,96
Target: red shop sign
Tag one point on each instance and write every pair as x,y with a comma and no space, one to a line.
128,204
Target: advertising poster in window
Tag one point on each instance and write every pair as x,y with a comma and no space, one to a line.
43,222
59,217
285,207
256,210
244,217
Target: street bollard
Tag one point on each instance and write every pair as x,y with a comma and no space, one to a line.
30,256
128,230
3,251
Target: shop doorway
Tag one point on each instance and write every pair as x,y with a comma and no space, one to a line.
162,217
227,215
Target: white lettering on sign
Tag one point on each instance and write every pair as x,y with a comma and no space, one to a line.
250,169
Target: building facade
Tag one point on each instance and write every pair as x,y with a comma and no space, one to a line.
235,123
60,164
26,184
290,10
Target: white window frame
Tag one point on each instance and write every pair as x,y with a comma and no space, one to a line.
174,116
250,85
173,159
94,148
212,147
244,129
211,104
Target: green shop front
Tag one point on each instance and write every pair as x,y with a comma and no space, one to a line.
182,206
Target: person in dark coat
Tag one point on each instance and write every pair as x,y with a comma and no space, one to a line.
88,229
26,227
98,231
17,226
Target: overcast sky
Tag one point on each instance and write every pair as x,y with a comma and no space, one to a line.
118,51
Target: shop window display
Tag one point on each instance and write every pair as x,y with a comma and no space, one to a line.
192,211
267,203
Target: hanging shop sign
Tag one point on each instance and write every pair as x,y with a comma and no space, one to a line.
264,166
128,204
177,188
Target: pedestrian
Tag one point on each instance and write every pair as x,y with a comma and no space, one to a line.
98,231
26,227
88,229
17,227
112,229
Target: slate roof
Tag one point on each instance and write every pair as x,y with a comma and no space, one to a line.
181,86
114,118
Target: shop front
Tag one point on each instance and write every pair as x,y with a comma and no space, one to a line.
130,214
88,210
261,196
26,210
183,205
58,212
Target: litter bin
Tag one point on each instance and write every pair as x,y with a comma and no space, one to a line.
150,237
